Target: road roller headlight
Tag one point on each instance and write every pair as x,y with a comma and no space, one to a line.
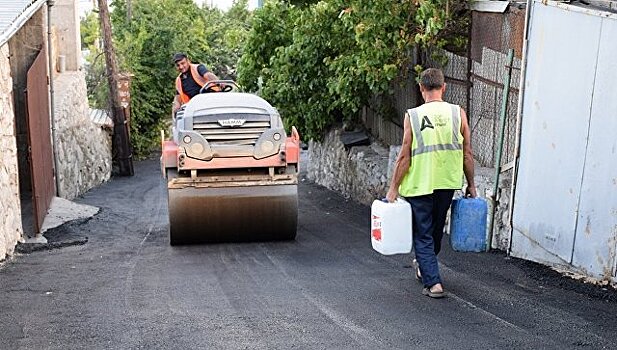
267,146
195,146
269,143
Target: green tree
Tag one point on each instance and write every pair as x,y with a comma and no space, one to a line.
271,28
228,39
318,62
95,62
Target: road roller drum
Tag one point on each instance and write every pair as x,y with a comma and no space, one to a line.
233,214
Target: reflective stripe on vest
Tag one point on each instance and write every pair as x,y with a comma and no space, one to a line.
201,81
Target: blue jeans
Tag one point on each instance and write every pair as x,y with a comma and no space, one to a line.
428,214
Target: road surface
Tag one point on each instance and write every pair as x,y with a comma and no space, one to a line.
127,288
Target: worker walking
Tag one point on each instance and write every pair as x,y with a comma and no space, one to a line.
191,79
435,152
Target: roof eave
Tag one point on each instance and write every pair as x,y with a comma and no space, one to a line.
20,21
489,6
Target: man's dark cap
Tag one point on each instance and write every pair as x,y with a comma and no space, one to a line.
178,56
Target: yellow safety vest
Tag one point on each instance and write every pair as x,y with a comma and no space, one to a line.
436,150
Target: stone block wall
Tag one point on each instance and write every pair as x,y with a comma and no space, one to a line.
83,147
358,173
485,180
10,211
363,174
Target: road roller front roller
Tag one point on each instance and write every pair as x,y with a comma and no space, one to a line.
231,170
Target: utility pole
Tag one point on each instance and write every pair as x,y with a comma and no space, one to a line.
129,10
121,146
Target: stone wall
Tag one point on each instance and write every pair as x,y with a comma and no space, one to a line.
363,173
83,147
359,173
10,211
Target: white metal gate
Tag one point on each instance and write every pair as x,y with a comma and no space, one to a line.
565,205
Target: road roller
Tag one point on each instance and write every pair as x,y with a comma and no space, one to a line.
231,169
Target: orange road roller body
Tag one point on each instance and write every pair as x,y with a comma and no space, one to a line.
231,170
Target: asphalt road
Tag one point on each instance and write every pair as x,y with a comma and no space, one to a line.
126,288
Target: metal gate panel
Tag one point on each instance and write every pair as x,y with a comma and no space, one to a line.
559,80
39,138
596,233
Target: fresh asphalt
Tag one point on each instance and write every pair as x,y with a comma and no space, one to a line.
124,287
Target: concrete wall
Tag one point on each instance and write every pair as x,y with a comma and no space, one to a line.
84,149
10,211
65,21
363,174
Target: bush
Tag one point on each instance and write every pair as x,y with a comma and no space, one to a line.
320,63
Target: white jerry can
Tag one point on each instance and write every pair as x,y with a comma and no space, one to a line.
391,227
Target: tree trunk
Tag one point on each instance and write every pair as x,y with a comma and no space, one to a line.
121,146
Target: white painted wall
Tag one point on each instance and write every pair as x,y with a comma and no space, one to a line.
65,21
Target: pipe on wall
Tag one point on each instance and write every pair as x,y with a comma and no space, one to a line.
50,59
519,116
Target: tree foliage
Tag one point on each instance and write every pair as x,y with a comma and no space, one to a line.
146,42
271,29
98,91
317,61
321,62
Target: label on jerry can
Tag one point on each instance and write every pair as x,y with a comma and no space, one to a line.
376,227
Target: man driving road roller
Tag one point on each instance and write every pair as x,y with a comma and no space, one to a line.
191,79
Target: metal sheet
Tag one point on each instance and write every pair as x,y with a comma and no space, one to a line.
596,233
14,14
559,85
39,139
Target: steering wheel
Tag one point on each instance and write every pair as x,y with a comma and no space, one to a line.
219,86
210,86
